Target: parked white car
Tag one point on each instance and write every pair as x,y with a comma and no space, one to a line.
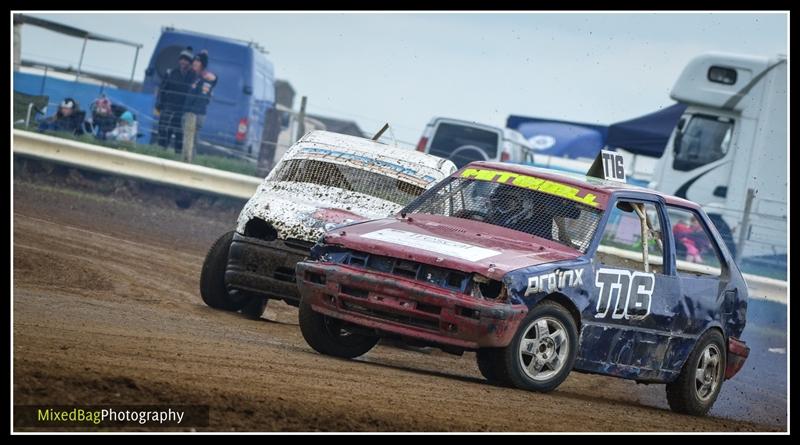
324,180
464,141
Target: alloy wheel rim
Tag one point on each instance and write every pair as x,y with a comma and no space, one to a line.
544,348
707,372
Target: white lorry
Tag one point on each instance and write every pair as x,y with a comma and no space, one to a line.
732,139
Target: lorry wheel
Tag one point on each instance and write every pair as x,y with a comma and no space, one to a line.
542,352
490,365
698,385
328,336
212,277
254,307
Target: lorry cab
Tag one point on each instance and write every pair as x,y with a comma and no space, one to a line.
464,141
731,139
245,90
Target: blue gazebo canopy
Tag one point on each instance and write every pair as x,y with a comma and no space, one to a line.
645,135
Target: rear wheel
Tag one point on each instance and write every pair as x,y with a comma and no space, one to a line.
330,336
212,277
542,352
254,307
700,381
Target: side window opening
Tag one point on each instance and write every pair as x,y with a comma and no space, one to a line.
633,238
696,253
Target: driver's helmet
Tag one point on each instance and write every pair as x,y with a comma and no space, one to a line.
508,203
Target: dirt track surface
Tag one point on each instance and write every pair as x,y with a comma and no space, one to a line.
107,310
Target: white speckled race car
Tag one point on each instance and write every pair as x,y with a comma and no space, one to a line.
324,180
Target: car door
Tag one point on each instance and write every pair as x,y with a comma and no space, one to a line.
627,324
700,268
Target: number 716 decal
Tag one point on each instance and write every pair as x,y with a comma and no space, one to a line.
631,292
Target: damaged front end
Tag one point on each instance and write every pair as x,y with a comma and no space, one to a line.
261,263
419,302
276,229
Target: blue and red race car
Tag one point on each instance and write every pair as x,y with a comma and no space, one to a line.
541,274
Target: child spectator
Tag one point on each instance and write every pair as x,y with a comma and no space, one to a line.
126,130
103,119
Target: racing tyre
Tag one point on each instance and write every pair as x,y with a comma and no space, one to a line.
490,365
542,352
254,307
698,385
328,336
212,277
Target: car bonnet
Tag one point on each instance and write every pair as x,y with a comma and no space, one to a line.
453,243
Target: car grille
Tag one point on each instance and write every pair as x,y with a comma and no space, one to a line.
445,278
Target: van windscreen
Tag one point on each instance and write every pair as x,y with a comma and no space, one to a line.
463,144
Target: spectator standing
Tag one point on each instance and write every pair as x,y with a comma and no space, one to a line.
197,100
69,118
171,98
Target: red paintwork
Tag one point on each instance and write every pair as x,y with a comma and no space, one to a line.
446,323
599,187
336,215
518,249
737,354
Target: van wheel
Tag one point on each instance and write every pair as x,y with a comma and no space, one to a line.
542,352
700,381
490,366
212,277
329,336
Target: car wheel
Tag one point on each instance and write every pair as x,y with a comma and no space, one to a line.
212,277
254,307
698,385
542,352
329,336
490,365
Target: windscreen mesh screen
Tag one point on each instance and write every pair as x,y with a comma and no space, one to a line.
533,212
348,178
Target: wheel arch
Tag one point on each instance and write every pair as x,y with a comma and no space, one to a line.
568,304
710,327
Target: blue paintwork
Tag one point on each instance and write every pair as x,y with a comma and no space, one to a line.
655,347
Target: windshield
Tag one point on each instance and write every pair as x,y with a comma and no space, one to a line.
347,178
463,144
704,140
533,212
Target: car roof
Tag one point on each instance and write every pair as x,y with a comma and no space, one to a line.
391,161
368,146
586,182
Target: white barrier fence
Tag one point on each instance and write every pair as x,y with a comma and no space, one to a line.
133,165
758,287
209,180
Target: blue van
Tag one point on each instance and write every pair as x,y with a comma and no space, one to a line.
244,93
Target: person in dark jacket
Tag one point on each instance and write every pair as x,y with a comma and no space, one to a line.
69,118
199,96
171,98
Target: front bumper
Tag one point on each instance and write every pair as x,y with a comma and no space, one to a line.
265,268
737,354
407,308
